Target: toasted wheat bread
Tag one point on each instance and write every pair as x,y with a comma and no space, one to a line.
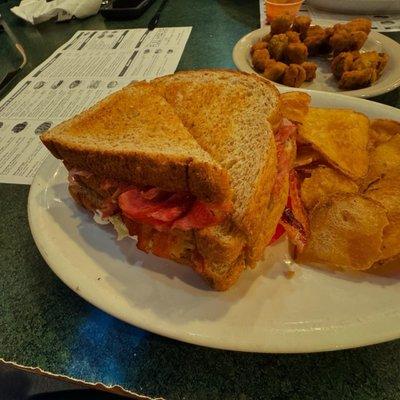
232,116
134,135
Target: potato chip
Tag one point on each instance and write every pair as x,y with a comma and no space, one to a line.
323,183
391,240
341,136
382,130
306,155
346,231
295,106
386,191
383,158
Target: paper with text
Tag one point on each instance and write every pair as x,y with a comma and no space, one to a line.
91,65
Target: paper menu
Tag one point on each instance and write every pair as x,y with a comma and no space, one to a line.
91,65
380,23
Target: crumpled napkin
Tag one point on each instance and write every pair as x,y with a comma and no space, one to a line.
37,11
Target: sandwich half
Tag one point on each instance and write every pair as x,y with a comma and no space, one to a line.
195,165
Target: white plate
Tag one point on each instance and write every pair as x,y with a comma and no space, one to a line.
357,6
325,81
264,312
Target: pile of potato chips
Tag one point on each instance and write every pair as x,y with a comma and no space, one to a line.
349,177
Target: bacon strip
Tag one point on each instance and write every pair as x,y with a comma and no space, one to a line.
294,218
285,139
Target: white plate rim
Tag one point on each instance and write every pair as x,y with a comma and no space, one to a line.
241,49
387,329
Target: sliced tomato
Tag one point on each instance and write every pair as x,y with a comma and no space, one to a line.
279,231
174,207
199,216
135,206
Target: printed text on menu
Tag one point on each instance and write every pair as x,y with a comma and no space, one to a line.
91,65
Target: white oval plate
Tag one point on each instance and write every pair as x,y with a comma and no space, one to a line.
325,81
264,312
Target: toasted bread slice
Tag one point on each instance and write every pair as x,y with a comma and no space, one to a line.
135,136
232,116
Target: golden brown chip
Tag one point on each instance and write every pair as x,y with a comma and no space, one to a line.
386,191
382,130
346,232
306,155
341,136
391,240
383,158
322,184
295,106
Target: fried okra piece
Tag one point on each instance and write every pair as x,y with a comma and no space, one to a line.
260,45
301,24
325,46
341,63
281,24
296,53
384,58
311,70
344,40
267,37
293,37
358,79
315,39
294,76
277,46
274,70
359,24
259,59
358,39
370,59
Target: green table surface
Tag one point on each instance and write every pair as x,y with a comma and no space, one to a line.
44,324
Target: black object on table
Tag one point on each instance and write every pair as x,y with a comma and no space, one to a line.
10,74
155,20
124,9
